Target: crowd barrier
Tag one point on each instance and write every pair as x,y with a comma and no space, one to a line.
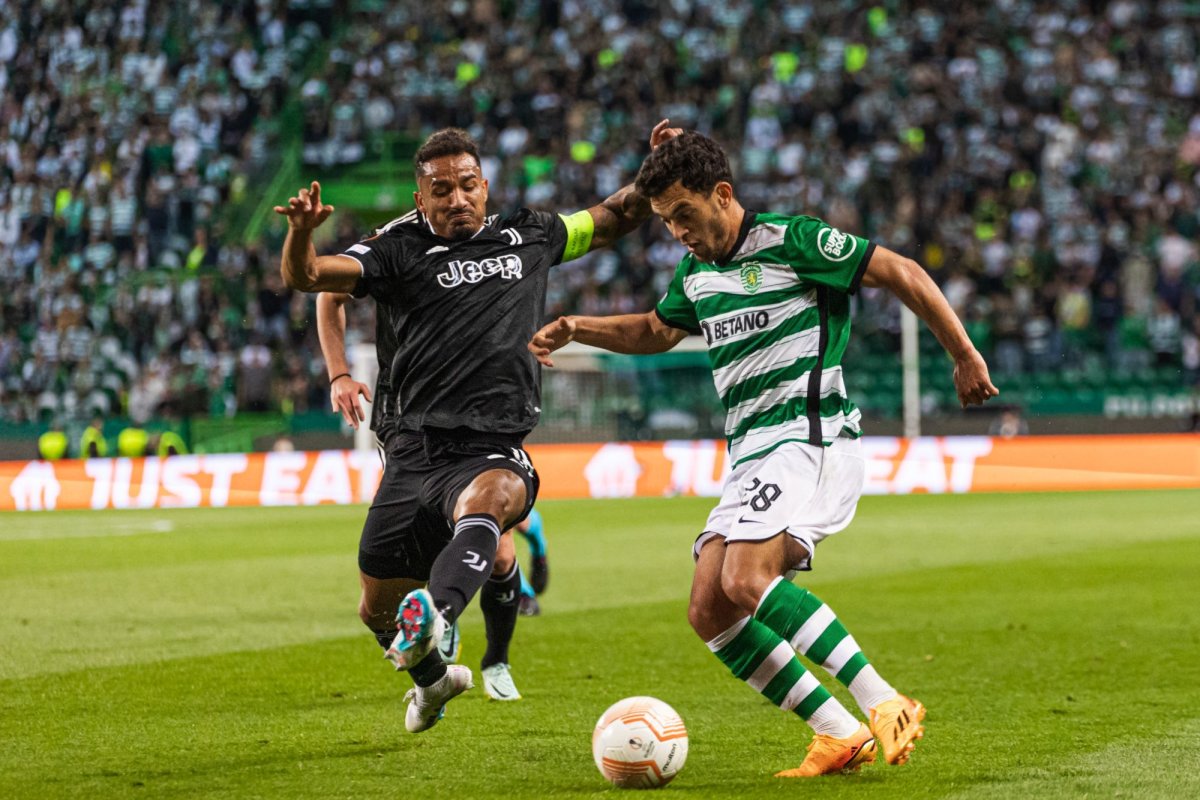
932,465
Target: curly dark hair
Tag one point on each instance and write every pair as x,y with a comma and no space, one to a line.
446,142
691,158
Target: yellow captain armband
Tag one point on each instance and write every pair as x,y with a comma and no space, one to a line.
580,227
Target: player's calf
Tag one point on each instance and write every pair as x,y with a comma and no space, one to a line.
499,601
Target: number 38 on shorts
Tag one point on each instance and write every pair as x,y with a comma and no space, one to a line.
809,492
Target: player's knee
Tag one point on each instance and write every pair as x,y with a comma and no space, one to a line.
503,563
710,619
740,586
700,619
377,610
370,618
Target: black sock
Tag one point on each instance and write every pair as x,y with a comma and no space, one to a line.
465,563
429,670
499,600
385,638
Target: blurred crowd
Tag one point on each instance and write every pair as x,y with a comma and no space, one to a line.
126,127
1040,158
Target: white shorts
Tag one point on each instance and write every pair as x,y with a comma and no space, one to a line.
807,491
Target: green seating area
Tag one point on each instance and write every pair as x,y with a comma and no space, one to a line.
875,382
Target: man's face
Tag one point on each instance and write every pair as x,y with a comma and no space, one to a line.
699,222
452,194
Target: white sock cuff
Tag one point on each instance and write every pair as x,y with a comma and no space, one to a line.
506,576
482,520
869,689
767,592
832,719
728,635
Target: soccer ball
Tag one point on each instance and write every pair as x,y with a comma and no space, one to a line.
640,743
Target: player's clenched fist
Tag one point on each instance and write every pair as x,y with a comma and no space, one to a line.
971,380
551,338
305,211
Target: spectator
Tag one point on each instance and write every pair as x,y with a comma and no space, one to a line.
1033,154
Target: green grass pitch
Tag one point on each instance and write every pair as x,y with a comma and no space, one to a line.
1055,639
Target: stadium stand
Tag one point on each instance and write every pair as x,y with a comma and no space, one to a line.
1046,174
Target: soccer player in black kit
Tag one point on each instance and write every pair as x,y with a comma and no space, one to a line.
467,292
498,601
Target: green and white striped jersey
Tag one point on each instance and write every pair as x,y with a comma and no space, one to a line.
776,317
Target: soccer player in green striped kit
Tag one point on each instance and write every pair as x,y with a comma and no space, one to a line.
770,293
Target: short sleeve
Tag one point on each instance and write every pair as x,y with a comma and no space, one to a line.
675,308
820,253
381,258
555,230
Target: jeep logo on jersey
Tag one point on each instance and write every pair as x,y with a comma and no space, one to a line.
457,272
750,321
835,245
751,277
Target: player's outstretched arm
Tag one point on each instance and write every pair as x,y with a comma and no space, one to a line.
301,267
625,333
906,279
626,210
344,391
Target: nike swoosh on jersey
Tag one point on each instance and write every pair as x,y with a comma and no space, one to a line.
438,248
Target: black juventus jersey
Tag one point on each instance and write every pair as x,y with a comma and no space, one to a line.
462,313
383,407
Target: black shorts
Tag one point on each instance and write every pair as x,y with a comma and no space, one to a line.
412,517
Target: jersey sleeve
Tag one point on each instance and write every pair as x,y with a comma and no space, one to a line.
555,230
381,257
675,308
820,253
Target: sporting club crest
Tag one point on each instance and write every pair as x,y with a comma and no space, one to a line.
752,277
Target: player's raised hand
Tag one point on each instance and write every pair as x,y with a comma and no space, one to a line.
343,397
305,211
662,132
971,380
550,338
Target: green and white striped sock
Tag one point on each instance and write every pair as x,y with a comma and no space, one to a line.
813,630
760,657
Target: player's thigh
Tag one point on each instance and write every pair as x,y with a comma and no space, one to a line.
483,479
499,493
809,492
752,565
710,611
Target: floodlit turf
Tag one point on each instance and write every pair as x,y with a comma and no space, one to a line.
1055,639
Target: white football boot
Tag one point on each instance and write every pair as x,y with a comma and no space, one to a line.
498,682
427,704
451,645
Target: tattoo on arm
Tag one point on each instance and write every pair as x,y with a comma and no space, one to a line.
618,215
